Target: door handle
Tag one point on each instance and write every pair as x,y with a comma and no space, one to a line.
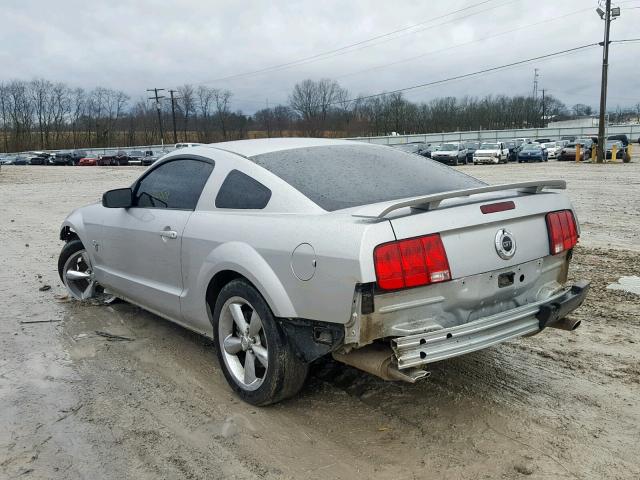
169,234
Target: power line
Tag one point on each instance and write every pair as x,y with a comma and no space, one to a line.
451,47
471,74
331,53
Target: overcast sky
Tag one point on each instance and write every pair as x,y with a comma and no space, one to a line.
134,45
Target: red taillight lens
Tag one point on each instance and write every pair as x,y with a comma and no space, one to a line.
388,262
563,233
412,262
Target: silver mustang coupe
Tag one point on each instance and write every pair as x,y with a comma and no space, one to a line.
286,250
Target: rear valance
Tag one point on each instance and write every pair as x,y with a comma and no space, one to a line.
428,202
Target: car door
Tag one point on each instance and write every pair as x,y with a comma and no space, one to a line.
462,152
141,245
504,151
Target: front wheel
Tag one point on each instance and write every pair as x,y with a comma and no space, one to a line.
256,358
76,272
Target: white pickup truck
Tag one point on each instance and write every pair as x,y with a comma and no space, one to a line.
494,152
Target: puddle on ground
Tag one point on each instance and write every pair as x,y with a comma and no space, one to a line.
628,284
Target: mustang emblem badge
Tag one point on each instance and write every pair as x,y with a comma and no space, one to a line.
505,244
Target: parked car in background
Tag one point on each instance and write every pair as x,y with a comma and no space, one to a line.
523,141
471,148
513,150
63,158
122,158
621,138
432,147
451,154
586,144
552,149
491,152
621,150
532,152
113,158
568,152
76,155
146,161
543,140
20,160
108,158
39,158
418,148
136,155
568,138
287,250
90,160
187,145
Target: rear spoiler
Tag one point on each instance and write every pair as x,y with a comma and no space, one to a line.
429,202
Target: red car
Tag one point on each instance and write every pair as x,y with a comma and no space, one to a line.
88,161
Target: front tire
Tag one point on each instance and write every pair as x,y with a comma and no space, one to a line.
256,358
76,272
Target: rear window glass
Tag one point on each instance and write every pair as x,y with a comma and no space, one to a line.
344,176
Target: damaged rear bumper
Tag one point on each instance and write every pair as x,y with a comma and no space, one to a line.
419,349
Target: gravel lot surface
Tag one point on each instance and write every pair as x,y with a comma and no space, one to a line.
76,405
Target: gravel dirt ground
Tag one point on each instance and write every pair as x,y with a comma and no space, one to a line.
75,405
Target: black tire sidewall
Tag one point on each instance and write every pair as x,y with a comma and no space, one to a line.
273,386
69,249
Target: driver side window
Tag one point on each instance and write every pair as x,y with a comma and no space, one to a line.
176,184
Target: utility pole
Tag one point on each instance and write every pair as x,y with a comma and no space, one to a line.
535,83
606,16
544,112
157,98
173,115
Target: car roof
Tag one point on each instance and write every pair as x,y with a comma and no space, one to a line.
250,148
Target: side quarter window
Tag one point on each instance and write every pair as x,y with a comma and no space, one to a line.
176,184
240,191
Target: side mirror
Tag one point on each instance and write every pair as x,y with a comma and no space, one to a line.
118,198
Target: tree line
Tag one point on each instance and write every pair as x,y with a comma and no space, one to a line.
40,114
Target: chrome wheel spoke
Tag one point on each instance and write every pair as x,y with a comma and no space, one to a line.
77,275
232,345
89,291
86,260
262,355
238,317
255,324
249,368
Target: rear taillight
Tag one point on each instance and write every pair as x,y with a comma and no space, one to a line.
563,232
411,263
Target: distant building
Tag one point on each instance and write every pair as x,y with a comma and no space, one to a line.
590,121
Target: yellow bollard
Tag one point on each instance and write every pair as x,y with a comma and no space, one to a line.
614,152
594,153
578,152
629,152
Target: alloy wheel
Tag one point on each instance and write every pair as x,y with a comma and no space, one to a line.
79,279
243,343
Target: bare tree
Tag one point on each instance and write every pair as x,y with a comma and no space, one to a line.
222,98
187,106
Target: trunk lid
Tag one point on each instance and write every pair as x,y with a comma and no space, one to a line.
470,237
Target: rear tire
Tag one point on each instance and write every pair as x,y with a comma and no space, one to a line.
274,372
